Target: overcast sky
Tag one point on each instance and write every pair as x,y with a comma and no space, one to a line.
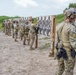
33,8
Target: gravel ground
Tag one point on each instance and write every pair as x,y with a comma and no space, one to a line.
16,59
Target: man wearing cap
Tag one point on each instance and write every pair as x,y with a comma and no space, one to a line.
7,27
21,29
16,29
26,33
32,32
66,44
3,24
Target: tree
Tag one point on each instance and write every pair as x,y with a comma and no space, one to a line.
72,5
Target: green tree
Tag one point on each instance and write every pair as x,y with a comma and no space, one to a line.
72,5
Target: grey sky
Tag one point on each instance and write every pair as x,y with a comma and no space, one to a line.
33,7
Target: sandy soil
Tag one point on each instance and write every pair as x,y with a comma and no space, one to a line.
16,59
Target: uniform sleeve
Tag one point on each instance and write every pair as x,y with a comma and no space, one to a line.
72,37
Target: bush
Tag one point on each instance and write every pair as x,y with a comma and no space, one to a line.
35,20
0,26
2,18
59,18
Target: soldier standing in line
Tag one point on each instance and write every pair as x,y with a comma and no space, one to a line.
21,29
32,32
66,44
16,29
12,28
9,28
3,25
13,22
6,27
26,33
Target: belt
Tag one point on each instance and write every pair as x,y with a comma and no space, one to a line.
66,46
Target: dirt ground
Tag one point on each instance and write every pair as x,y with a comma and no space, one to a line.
16,59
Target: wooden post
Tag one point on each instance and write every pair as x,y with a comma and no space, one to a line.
52,33
36,42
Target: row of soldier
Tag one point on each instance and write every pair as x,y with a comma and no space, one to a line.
26,29
26,32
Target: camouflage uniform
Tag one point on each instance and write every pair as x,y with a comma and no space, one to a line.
67,65
32,34
9,28
15,31
6,28
11,24
26,34
21,30
3,26
66,38
12,27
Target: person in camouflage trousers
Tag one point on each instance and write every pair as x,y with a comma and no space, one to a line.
15,30
32,33
6,27
26,33
3,25
13,22
9,28
66,44
21,29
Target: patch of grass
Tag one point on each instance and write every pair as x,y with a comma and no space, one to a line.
2,18
45,38
1,26
47,45
35,20
59,18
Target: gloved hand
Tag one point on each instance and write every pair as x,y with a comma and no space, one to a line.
73,53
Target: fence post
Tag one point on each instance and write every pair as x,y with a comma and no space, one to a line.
52,33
